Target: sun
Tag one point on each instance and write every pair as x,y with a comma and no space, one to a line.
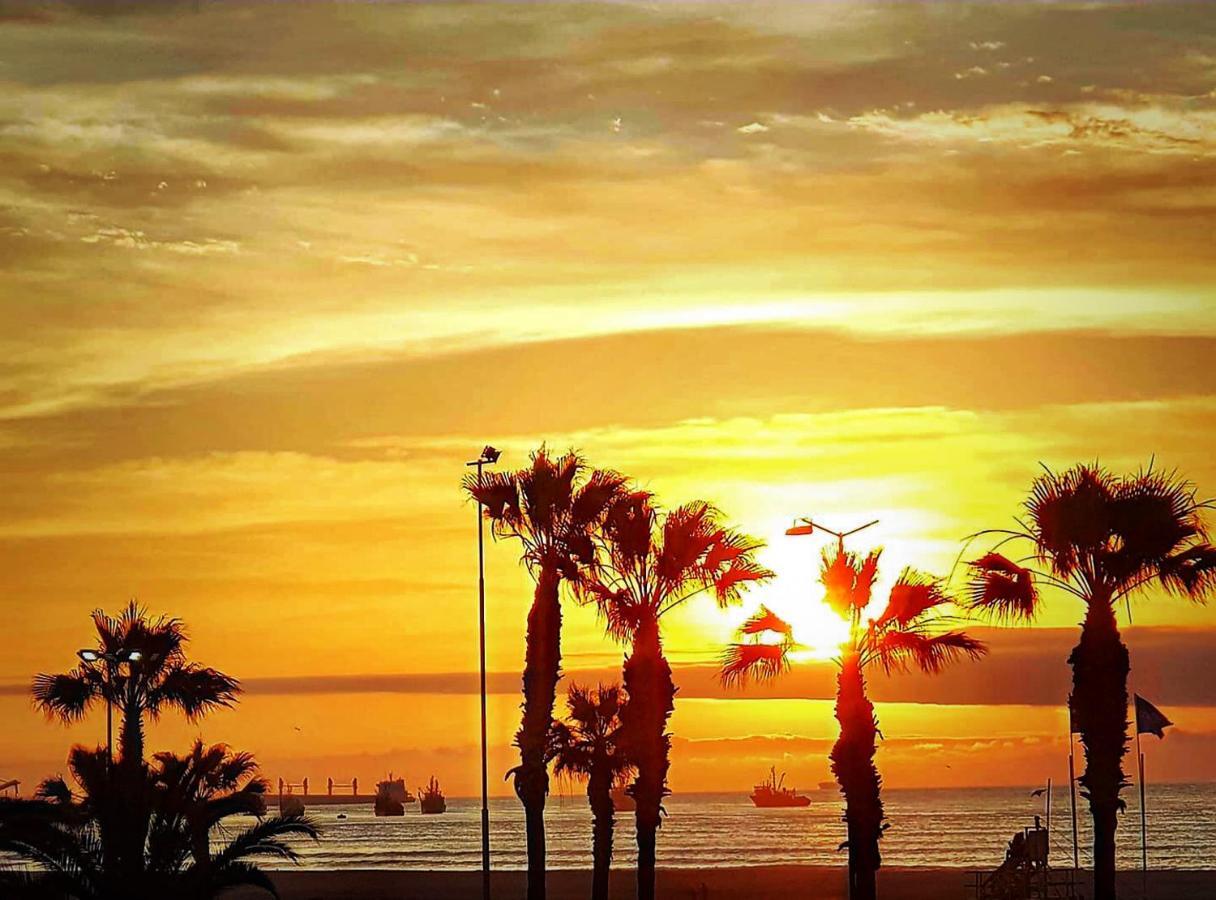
797,596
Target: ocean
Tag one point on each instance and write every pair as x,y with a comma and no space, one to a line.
967,828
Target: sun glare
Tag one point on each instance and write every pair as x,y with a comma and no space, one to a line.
797,596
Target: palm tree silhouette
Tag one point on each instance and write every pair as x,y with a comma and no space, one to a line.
654,563
1101,538
183,802
907,634
588,747
161,679
553,508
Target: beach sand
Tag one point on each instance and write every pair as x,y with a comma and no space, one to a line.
753,883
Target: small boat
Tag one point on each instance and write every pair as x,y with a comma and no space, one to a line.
341,815
431,798
827,785
772,793
621,801
391,797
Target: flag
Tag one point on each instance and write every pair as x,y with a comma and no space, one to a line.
1149,719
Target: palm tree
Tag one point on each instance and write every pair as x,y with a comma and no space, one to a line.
161,679
183,802
656,562
588,746
552,507
1101,538
907,634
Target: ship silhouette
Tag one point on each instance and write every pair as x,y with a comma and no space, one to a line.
772,793
431,798
391,797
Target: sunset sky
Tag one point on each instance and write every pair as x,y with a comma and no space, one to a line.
270,273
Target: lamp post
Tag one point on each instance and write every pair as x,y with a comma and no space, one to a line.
488,457
111,660
806,526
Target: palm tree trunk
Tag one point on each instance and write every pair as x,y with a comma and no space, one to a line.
599,795
1100,667
130,782
651,691
853,765
542,669
131,734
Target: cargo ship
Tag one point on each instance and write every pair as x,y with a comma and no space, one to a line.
431,798
391,797
773,793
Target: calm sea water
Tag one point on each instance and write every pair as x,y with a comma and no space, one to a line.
967,828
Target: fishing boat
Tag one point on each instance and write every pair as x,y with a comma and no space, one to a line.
391,797
621,801
773,793
431,798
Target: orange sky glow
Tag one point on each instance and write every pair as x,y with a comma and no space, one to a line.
271,273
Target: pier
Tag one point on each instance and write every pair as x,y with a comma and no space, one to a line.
337,793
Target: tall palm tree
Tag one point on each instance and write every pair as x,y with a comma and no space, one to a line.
588,746
552,507
654,563
161,679
1100,537
908,633
184,802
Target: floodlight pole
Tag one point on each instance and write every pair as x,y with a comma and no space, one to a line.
109,714
488,456
111,660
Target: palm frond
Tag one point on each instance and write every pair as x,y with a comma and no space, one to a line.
547,487
55,790
595,497
193,689
899,650
913,594
759,661
498,494
838,574
1001,589
267,840
866,574
1072,514
68,696
764,620
1190,573
742,571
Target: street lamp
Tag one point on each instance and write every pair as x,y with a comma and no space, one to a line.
488,457
111,660
808,526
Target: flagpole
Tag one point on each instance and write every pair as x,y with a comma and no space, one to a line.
1072,793
1048,821
1127,601
1143,816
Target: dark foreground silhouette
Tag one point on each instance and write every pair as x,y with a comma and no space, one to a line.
1102,538
911,632
767,883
